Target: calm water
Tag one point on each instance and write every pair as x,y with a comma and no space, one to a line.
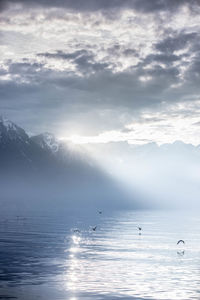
42,258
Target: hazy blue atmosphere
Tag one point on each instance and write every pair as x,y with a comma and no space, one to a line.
99,149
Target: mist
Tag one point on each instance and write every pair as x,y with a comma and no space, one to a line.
40,174
162,177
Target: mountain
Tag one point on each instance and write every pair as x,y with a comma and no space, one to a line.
41,171
164,176
19,152
47,141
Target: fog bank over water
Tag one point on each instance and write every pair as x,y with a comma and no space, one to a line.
42,173
39,173
165,176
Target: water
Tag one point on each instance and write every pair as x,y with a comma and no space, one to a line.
42,258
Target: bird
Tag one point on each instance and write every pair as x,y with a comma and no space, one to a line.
180,241
77,230
94,228
100,212
181,253
139,228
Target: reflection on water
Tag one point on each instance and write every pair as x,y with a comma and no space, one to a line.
44,258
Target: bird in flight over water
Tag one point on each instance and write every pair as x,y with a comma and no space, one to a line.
94,228
180,241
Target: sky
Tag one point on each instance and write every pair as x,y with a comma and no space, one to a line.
102,70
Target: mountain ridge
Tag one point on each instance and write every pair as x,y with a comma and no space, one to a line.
44,171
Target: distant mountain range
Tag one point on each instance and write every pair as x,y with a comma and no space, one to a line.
43,153
124,148
44,170
167,175
41,172
150,155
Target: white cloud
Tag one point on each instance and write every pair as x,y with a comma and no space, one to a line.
135,64
177,122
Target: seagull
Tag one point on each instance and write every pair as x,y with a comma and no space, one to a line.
94,228
180,241
77,230
181,253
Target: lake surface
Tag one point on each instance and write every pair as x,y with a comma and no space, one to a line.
41,257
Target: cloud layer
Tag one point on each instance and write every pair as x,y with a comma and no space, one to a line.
94,67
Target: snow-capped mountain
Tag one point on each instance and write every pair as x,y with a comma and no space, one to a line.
47,141
42,167
17,151
11,132
41,152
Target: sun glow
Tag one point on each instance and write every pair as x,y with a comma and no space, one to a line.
179,122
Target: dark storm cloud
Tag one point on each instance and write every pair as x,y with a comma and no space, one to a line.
161,58
24,68
52,94
170,73
114,49
83,59
192,74
130,52
95,5
68,56
122,89
121,50
176,42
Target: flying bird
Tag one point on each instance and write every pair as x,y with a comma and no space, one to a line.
77,230
180,241
100,212
139,228
94,228
181,253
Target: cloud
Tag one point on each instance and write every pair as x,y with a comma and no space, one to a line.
73,66
130,52
161,58
69,56
83,60
176,42
96,5
105,96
